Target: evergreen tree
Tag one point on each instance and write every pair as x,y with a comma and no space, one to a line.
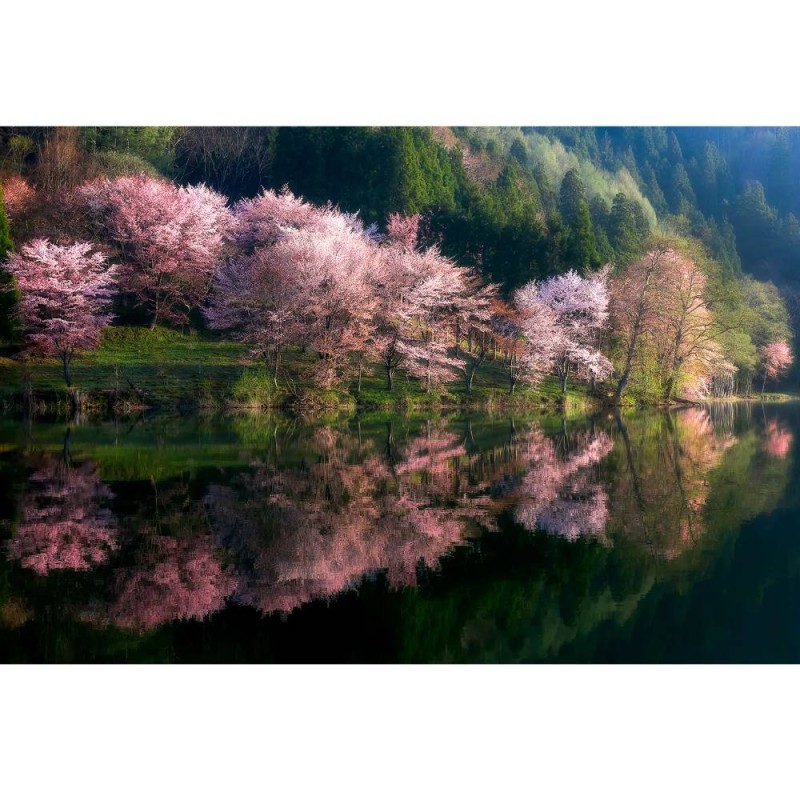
780,181
580,249
626,229
7,294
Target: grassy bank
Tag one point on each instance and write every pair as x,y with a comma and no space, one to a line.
138,367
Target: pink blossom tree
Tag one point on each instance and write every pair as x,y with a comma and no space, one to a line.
17,194
403,231
331,266
475,311
428,316
581,308
532,336
260,221
395,271
65,298
255,300
170,239
392,278
300,274
776,358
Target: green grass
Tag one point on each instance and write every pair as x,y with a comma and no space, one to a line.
169,368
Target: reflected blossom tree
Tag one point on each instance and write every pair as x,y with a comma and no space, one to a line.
778,440
178,578
312,534
65,523
558,495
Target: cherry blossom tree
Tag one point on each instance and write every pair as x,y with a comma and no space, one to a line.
65,298
255,300
331,267
394,274
475,313
532,337
428,316
776,358
300,274
581,309
260,221
403,231
17,194
398,267
169,238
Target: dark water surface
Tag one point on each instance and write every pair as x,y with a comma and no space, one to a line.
647,538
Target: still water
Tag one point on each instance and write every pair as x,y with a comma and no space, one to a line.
651,537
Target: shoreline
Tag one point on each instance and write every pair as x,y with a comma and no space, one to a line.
111,403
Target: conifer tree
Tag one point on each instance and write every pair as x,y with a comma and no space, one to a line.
7,297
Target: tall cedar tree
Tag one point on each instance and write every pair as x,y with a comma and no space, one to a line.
8,296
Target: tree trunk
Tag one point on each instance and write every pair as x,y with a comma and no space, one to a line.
470,375
67,375
67,453
389,377
564,375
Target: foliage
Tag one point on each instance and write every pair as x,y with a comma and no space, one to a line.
7,290
65,298
169,239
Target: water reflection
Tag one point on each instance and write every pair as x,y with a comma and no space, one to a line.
559,493
313,530
660,496
778,441
65,519
285,515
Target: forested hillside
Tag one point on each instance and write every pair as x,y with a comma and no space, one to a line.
514,204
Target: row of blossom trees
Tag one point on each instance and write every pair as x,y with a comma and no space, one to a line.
315,277
277,272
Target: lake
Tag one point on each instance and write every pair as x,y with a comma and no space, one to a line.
645,537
